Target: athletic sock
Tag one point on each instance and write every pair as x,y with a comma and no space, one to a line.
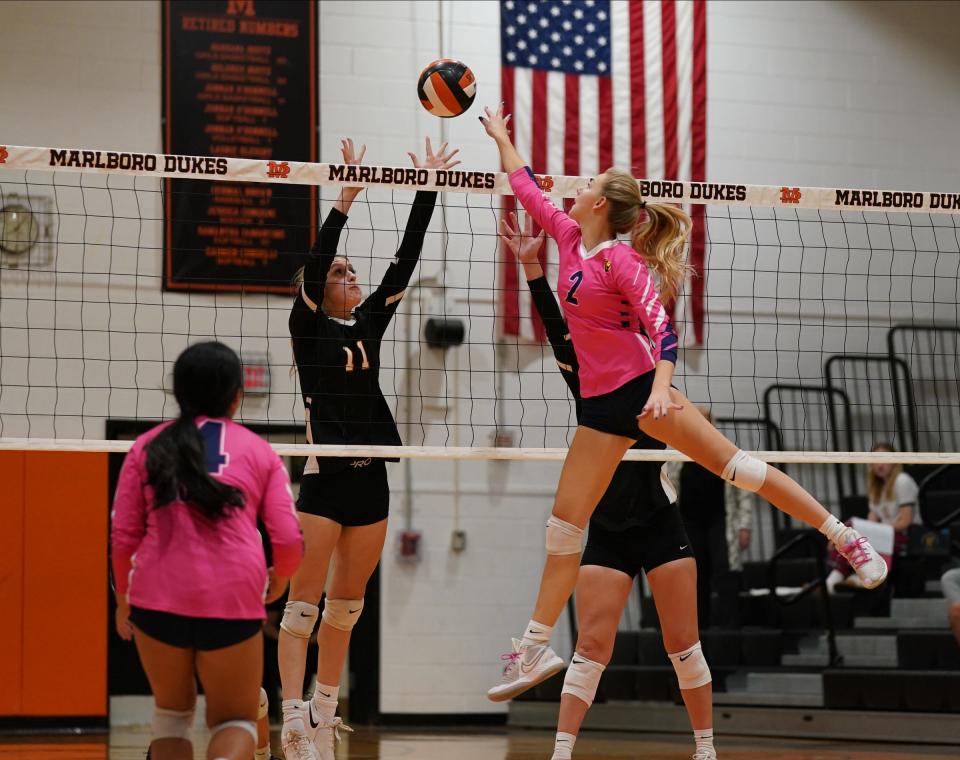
563,746
832,528
704,739
536,633
325,699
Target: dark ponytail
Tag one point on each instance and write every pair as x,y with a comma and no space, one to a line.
206,380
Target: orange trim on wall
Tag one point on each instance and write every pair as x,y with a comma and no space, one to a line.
64,590
12,464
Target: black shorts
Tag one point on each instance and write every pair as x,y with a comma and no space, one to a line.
185,632
357,495
616,412
645,548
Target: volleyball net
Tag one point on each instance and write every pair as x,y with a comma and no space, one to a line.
830,316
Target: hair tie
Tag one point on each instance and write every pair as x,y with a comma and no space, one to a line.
643,204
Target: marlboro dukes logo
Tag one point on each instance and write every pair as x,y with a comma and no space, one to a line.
279,170
790,194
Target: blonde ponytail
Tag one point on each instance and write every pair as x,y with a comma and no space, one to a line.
660,238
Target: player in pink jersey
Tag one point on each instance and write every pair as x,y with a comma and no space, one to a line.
627,352
188,562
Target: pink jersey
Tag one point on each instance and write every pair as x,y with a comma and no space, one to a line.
173,559
619,328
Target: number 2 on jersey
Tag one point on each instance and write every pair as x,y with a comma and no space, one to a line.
576,278
217,459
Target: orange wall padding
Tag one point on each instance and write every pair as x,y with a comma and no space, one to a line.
62,603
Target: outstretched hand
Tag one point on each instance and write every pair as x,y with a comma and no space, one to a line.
442,159
524,244
349,152
496,123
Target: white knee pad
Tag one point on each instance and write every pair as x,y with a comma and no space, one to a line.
299,619
562,537
691,666
264,704
745,471
247,725
582,679
342,614
171,724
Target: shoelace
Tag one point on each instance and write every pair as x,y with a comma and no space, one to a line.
703,755
512,659
857,552
337,725
303,746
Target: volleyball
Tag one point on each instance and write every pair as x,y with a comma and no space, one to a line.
446,88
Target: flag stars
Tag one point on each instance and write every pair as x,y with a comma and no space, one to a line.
578,65
521,44
601,41
533,59
578,39
601,15
555,62
521,19
544,47
509,5
544,23
532,34
601,66
590,53
567,50
554,11
532,7
511,30
591,27
567,26
555,37
511,56
578,13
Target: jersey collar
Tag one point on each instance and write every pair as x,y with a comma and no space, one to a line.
585,254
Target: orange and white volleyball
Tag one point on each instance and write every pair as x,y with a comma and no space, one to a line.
446,88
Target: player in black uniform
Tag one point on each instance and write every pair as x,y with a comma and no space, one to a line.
635,527
343,501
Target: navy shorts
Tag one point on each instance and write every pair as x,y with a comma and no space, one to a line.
662,540
616,412
359,494
198,633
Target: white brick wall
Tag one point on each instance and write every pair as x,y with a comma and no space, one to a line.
800,93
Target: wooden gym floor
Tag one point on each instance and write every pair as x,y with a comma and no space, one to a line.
493,744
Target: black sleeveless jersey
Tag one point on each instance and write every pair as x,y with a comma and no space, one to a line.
338,362
638,490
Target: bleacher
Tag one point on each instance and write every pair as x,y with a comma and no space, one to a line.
792,645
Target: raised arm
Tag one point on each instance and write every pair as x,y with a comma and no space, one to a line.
526,245
557,224
325,250
384,301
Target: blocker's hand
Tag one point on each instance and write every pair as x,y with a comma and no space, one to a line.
442,159
122,619
524,245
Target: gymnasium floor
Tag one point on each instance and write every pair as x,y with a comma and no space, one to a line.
494,744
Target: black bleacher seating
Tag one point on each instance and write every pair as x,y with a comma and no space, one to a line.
927,650
918,691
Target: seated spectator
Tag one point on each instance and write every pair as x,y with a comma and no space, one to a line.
892,500
950,582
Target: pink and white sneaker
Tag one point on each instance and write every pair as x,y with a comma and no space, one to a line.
526,667
863,558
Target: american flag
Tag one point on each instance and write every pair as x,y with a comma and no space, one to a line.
599,83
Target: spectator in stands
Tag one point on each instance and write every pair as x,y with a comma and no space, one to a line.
950,582
892,500
719,520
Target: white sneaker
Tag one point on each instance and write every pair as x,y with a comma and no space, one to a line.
326,732
526,667
704,754
296,744
863,558
298,732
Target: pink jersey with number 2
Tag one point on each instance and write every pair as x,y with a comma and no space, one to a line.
619,328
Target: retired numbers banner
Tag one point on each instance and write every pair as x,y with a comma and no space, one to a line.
239,81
